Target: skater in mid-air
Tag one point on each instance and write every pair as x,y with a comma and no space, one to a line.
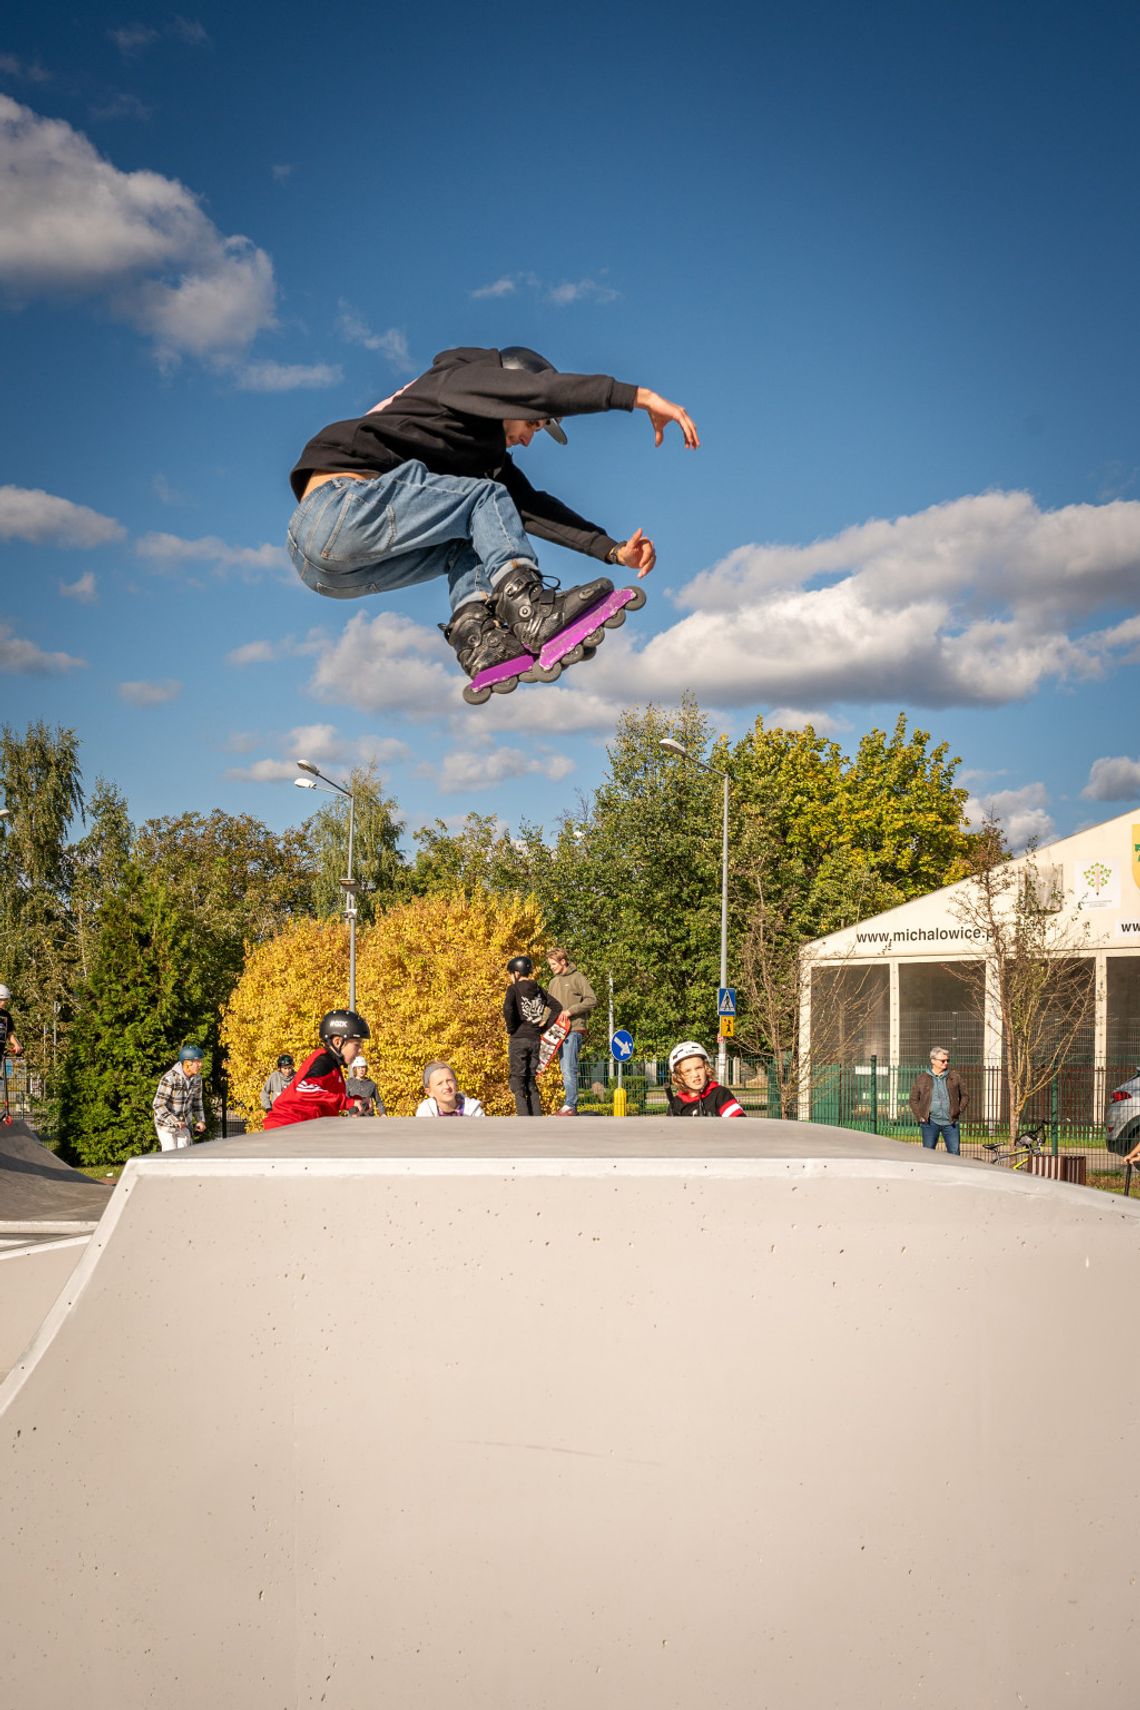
424,486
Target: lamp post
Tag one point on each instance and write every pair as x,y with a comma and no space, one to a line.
673,747
348,885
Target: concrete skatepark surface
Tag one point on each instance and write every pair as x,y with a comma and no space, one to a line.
521,1414
37,1187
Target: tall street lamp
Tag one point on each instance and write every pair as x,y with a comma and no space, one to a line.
667,742
348,885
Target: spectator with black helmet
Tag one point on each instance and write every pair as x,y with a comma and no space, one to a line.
178,1103
277,1080
527,1010
318,1088
424,486
692,1091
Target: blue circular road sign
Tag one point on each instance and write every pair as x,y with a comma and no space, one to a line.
621,1045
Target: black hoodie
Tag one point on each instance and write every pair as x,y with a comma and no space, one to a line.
451,420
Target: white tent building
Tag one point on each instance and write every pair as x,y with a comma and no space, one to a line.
901,965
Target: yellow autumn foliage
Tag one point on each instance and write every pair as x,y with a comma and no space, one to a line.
430,980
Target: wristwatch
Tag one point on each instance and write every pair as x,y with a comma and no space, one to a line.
612,556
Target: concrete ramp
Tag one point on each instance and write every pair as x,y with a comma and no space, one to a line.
37,1188
627,1416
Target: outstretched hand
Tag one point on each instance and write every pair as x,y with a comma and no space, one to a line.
661,412
637,553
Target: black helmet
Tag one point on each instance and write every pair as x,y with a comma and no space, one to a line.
518,356
343,1024
520,965
285,1061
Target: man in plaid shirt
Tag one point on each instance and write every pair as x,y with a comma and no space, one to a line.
178,1101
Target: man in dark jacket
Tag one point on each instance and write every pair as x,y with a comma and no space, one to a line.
527,1010
938,1100
424,486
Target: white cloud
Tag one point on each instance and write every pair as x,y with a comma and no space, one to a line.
1022,814
793,718
503,287
190,31
28,513
252,653
581,290
393,344
973,603
323,746
144,694
388,663
71,221
481,769
30,70
83,591
561,295
287,376
25,658
1113,778
121,106
283,171
132,39
168,550
164,492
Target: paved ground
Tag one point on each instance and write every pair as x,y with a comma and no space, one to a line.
36,1187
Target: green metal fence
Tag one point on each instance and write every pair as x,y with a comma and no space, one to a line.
874,1097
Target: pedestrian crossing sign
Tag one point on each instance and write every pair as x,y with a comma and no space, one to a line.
726,1000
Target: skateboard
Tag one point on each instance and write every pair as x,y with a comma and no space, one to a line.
580,640
551,1041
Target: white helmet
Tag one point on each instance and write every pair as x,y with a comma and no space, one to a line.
5,994
687,1048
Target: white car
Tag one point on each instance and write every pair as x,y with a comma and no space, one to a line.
1122,1118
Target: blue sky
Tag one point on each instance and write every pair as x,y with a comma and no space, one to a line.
886,256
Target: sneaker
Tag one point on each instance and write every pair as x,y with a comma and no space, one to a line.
567,1110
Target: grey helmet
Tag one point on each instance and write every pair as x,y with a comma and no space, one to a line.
519,356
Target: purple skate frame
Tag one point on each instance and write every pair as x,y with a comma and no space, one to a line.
608,613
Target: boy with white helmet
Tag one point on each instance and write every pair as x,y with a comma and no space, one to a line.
692,1091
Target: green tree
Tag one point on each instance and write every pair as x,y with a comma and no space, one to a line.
43,793
378,865
481,855
99,860
144,998
633,886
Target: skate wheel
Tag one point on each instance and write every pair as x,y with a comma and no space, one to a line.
594,640
587,652
476,697
575,655
637,600
506,686
545,673
616,621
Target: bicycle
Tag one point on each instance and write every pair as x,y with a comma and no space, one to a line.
1029,1144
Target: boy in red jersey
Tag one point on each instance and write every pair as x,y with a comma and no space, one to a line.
317,1089
692,1090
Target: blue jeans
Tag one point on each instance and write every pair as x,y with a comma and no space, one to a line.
568,1062
948,1131
350,537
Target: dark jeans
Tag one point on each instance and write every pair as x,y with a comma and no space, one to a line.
948,1130
523,1057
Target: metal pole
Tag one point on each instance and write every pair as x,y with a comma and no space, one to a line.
610,1055
874,1094
350,908
722,1044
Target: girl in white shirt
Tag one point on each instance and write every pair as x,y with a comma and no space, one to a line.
444,1097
